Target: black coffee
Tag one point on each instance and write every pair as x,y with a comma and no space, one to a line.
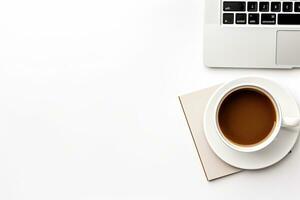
247,116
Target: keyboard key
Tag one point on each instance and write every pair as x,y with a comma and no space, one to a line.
253,18
234,6
264,6
287,6
252,6
240,18
228,18
289,19
268,19
275,6
297,6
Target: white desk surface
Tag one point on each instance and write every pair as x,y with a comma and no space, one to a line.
89,108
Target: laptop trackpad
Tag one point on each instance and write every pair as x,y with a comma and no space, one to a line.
288,48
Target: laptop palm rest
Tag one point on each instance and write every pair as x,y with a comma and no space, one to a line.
288,48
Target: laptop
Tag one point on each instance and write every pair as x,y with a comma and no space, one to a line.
252,34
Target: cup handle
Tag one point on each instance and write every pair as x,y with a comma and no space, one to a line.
290,122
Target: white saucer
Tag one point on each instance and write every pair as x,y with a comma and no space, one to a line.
268,156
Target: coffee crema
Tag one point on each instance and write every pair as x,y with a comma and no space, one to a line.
247,116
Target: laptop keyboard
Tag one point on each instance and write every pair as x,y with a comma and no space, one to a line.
261,12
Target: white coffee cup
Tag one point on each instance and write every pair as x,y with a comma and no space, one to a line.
281,121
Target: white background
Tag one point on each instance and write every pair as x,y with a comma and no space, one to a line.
89,108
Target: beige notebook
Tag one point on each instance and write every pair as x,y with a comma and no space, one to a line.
193,106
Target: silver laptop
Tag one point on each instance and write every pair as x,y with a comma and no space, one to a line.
252,34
